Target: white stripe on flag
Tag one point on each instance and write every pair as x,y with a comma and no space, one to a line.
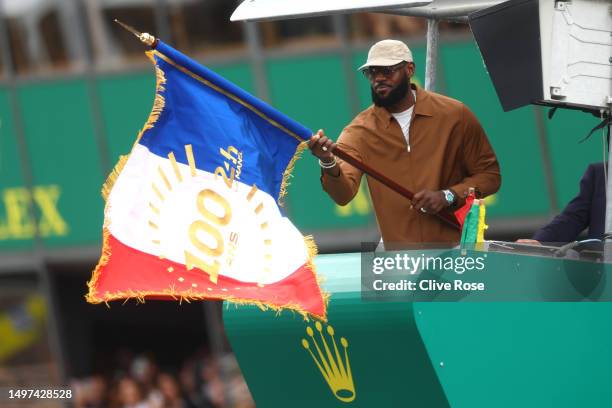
156,211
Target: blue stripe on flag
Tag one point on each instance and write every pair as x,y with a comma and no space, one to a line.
197,114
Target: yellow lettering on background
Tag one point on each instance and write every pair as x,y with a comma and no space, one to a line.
208,225
220,200
18,222
202,226
360,205
51,222
193,261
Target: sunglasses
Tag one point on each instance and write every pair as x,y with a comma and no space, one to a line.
372,72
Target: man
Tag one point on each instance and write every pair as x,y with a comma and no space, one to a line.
586,210
427,142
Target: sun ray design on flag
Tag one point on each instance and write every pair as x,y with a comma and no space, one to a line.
164,187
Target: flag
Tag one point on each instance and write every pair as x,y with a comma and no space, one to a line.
482,226
462,212
194,211
474,225
471,218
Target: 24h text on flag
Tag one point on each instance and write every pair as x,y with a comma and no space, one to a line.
193,212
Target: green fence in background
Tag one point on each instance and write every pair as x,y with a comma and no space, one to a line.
67,169
16,227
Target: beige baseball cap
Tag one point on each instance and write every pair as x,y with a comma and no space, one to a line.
386,53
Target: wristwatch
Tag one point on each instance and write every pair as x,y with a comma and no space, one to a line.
450,197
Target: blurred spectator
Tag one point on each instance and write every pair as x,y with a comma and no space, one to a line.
237,387
96,392
189,384
213,385
170,392
144,370
90,392
202,382
131,395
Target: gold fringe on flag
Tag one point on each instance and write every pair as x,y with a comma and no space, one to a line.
92,296
112,177
158,106
189,295
289,170
159,102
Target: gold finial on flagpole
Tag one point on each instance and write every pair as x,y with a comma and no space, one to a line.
146,38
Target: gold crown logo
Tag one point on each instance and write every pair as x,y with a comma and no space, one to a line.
335,369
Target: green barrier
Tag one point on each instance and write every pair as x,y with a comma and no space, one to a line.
427,354
66,169
16,225
125,103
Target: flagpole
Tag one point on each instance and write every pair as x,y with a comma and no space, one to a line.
145,38
443,215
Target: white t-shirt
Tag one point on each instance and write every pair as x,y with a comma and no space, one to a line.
404,118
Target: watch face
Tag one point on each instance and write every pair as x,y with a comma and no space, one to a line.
450,197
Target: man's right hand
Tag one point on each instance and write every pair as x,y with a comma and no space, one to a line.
322,147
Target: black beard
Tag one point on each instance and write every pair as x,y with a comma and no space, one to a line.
394,96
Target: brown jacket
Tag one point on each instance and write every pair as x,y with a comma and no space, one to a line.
449,149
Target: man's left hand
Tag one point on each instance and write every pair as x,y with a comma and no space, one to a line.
431,202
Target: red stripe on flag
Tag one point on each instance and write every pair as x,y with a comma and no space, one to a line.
461,213
130,272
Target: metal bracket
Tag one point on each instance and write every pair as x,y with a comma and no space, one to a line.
556,92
